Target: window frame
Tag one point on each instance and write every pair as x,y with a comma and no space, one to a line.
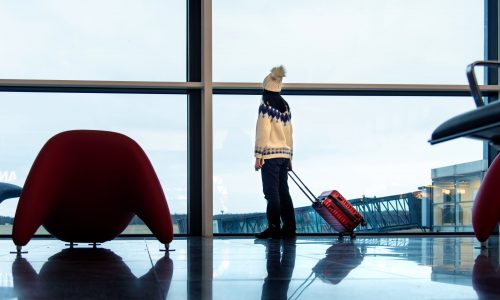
199,88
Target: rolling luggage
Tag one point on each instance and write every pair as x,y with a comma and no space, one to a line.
333,208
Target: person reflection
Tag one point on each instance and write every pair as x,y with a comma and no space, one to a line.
486,274
341,258
280,261
89,274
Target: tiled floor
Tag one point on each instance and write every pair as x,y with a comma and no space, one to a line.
241,268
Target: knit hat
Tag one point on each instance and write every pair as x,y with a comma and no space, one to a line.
272,82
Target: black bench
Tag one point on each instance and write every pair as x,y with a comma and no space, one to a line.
481,123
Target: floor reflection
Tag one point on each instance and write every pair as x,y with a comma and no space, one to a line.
89,274
395,267
341,258
486,274
280,262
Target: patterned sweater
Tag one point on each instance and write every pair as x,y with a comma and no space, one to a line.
274,133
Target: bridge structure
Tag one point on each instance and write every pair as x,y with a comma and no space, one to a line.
384,214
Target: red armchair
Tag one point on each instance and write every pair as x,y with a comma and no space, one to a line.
86,185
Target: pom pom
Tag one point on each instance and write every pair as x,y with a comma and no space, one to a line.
278,72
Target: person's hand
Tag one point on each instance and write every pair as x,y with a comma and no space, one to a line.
289,165
258,163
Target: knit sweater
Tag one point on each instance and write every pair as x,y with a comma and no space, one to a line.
274,133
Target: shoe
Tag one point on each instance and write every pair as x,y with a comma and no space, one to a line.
269,233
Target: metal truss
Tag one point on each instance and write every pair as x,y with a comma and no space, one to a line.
391,213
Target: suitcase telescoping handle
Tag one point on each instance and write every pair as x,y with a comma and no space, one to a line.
303,286
313,199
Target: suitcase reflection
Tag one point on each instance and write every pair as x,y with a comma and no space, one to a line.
341,258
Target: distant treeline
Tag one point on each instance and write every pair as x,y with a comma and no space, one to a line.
175,218
6,220
135,221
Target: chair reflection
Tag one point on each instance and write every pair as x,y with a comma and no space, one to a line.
89,274
280,262
486,274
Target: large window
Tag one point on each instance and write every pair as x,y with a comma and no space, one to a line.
93,40
360,41
156,122
372,148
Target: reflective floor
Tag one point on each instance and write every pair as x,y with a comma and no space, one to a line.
241,268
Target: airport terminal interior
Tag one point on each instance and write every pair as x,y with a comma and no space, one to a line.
133,149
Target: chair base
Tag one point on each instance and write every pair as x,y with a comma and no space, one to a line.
167,248
18,251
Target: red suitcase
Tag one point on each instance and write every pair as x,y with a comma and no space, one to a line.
333,208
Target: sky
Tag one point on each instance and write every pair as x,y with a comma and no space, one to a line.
358,145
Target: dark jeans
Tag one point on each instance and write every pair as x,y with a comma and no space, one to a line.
275,186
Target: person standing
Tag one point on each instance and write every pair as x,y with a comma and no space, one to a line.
273,156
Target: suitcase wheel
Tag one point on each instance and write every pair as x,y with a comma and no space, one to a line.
353,235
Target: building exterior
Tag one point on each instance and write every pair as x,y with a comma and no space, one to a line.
453,191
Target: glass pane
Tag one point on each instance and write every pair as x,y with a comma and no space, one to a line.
361,41
157,122
445,215
454,189
93,40
373,150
